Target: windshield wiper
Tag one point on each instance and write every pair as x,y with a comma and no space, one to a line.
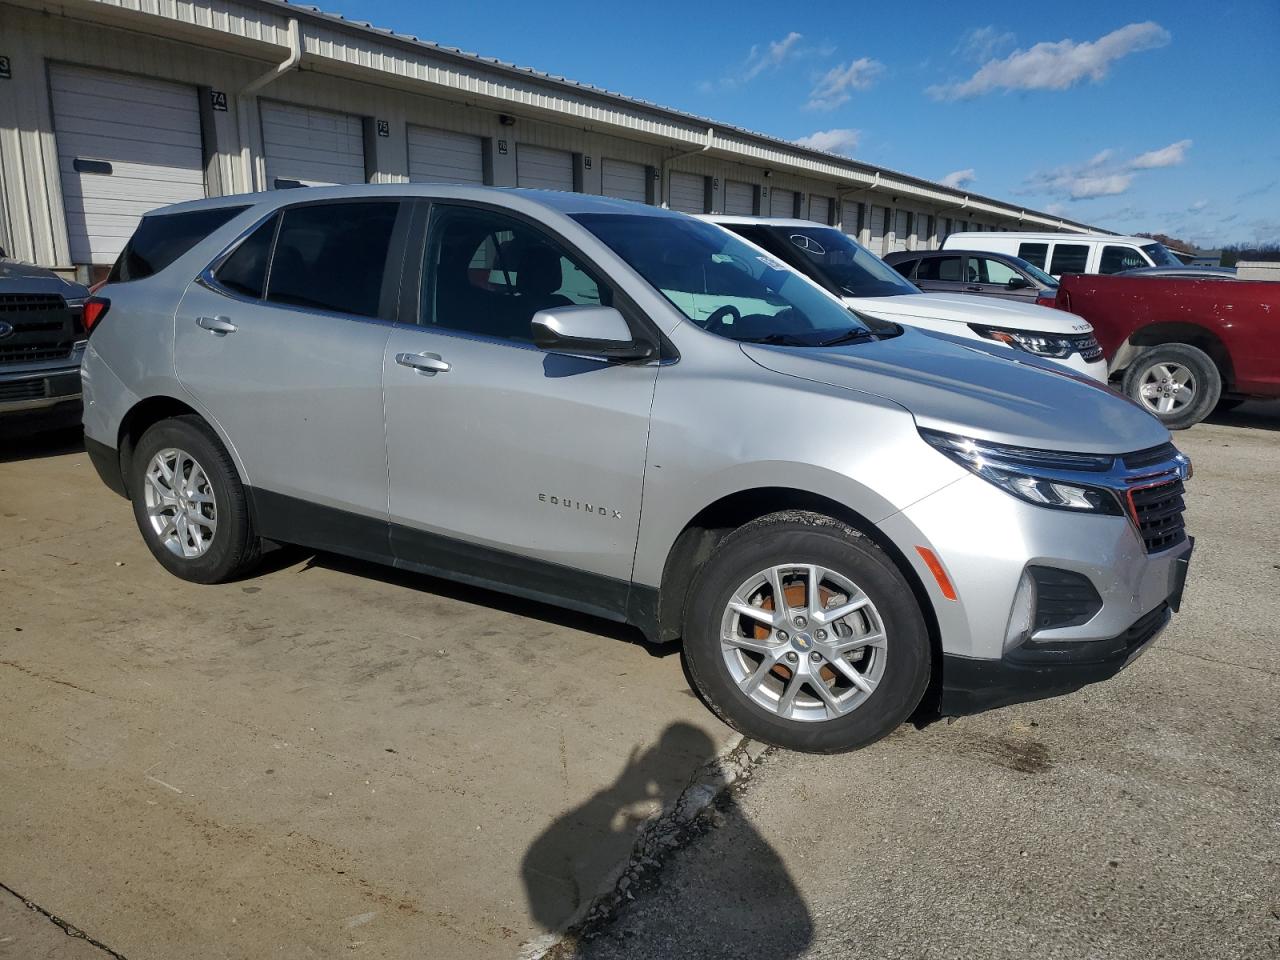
776,340
849,336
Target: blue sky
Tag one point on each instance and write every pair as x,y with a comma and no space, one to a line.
1159,117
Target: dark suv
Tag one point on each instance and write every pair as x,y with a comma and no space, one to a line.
41,342
976,271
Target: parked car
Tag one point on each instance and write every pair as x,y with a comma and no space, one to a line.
1181,346
866,283
41,342
523,390
984,274
1061,253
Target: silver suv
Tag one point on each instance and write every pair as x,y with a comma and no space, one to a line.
634,413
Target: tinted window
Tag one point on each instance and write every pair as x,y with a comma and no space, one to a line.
993,271
333,256
488,274
1161,256
832,258
1035,253
245,271
1069,258
727,286
905,267
162,238
1115,259
939,268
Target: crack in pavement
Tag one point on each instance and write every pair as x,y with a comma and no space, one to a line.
1224,663
69,929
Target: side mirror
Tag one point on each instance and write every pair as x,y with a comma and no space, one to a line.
1018,283
587,331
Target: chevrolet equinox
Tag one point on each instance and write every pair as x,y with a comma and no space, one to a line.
633,413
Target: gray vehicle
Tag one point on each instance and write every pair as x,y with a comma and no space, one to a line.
848,525
977,272
42,338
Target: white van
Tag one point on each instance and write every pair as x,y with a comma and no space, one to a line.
1059,253
836,262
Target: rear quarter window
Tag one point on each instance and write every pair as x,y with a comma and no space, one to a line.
162,238
1036,253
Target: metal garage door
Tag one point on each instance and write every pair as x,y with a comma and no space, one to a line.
126,145
310,147
901,228
627,181
850,218
782,203
819,209
878,217
924,231
739,198
688,192
443,156
543,169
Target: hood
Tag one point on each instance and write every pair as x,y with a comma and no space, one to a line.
960,386
18,277
963,308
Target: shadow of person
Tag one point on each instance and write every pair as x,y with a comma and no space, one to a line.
567,864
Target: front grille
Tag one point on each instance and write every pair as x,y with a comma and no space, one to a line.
44,328
1157,510
1086,344
1151,456
22,390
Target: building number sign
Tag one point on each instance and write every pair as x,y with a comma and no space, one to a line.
384,128
5,72
218,100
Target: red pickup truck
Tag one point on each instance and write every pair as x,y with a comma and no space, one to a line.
1183,347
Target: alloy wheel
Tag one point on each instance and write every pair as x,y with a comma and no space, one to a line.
1167,388
180,503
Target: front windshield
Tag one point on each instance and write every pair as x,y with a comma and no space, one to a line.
1030,268
1160,255
853,268
724,285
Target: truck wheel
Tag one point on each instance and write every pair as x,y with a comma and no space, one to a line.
1177,382
189,503
802,633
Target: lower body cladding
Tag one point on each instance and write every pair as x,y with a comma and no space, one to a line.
39,399
1045,601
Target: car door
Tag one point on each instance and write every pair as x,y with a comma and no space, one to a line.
281,342
995,278
509,466
941,274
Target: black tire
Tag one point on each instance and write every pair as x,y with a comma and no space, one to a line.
802,537
233,548
1207,382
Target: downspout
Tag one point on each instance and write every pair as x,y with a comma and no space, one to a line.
666,166
243,100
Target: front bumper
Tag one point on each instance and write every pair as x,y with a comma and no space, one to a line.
28,390
1094,369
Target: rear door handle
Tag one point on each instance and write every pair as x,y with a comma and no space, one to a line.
426,363
220,326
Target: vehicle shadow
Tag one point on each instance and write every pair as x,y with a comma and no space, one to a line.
1260,415
287,556
566,866
27,445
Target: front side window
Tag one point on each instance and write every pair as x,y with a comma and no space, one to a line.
1114,259
162,238
727,286
488,274
993,271
1035,253
1161,255
333,256
940,269
905,267
1069,258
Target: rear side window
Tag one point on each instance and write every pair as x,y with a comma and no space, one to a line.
1069,258
905,267
162,238
333,256
245,271
1036,253
1115,259
939,268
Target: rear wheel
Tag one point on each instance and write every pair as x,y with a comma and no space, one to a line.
189,503
1176,382
802,633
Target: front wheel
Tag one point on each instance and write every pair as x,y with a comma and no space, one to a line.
1177,382
802,633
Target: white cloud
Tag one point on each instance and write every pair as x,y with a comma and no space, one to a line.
834,87
1197,206
759,59
982,43
1101,185
841,140
1169,156
958,178
1056,66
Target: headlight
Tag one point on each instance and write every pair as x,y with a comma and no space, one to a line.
1043,477
1041,344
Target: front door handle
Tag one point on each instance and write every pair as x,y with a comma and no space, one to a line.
219,326
426,363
